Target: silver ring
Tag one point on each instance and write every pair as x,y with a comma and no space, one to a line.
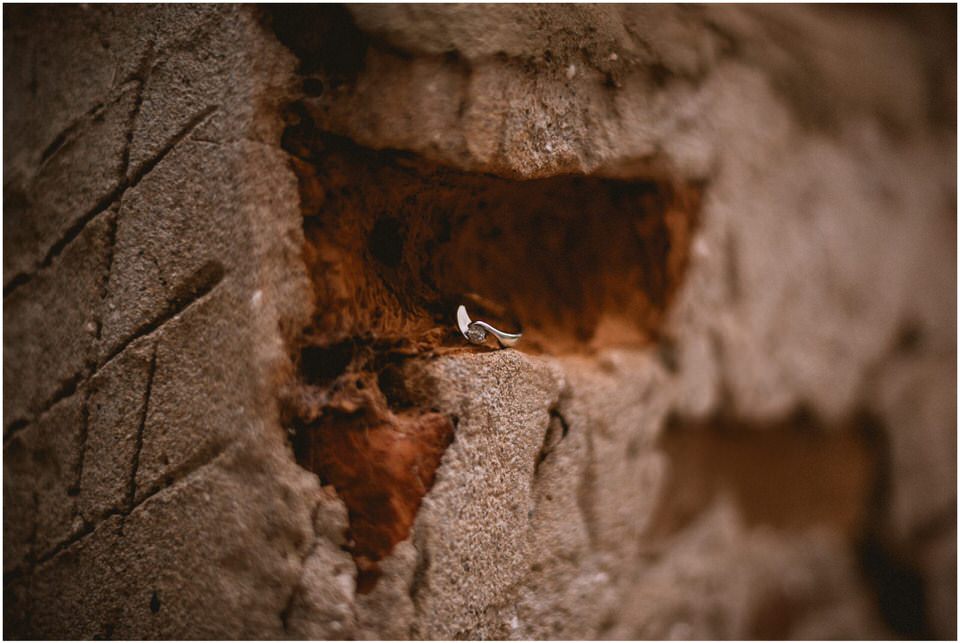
476,331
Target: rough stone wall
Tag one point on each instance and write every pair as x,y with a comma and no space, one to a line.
147,486
178,236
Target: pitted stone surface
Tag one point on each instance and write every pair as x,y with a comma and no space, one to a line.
40,474
50,324
154,267
117,407
476,519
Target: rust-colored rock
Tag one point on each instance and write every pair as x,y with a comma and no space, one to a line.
395,243
381,468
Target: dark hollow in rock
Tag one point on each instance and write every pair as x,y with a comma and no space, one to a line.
394,244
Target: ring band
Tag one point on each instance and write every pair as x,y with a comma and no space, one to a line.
476,331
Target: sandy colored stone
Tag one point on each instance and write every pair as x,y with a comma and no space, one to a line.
50,324
824,142
321,606
625,88
154,580
395,594
41,464
797,287
239,560
718,579
80,77
119,396
166,249
621,406
81,591
476,519
74,182
235,560
183,429
43,74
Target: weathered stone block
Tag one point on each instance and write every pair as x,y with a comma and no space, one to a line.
119,394
475,520
235,560
202,396
237,557
322,605
49,325
73,182
40,468
177,233
719,578
182,87
918,399
80,592
812,168
621,406
19,518
58,67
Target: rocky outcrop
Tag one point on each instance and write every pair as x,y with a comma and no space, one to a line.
236,403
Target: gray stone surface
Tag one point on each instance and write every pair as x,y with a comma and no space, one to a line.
216,526
236,561
43,95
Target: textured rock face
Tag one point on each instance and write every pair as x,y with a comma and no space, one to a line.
235,402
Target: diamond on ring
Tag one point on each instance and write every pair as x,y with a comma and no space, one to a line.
476,331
